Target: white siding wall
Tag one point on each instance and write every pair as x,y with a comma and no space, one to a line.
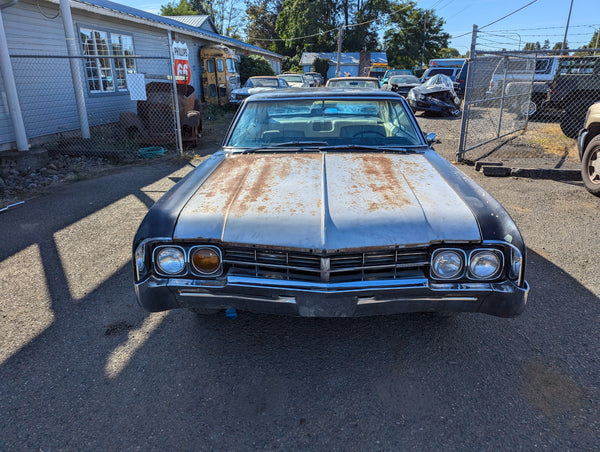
44,85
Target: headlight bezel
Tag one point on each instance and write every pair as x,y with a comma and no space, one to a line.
195,271
459,274
472,255
505,252
157,266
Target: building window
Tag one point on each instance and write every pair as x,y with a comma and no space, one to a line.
108,65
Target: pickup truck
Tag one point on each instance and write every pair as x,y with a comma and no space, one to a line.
574,89
588,143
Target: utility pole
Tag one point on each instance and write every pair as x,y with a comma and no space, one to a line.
339,53
564,43
424,39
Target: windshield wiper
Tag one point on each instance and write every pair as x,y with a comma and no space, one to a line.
362,147
296,144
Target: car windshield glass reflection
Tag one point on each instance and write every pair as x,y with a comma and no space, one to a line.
336,122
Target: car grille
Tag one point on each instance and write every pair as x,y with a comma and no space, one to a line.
336,267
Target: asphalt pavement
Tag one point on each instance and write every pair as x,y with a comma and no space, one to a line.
82,367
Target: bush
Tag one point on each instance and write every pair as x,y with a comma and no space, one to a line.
321,66
253,65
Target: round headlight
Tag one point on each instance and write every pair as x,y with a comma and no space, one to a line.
206,260
485,264
170,260
447,264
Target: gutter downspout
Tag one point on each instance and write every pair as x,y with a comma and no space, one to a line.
10,87
65,12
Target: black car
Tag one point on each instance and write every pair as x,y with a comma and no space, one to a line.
461,80
329,203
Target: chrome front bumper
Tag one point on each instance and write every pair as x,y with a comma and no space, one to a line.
351,299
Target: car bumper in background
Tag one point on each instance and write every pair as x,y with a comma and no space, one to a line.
503,299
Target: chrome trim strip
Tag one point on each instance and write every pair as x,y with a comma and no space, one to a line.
285,300
363,301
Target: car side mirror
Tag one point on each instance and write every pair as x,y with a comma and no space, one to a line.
431,139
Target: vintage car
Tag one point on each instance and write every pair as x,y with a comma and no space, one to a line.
401,84
328,202
255,85
353,82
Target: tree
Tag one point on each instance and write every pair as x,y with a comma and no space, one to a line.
309,19
260,27
364,36
558,46
253,65
448,52
321,66
226,14
414,35
183,8
532,46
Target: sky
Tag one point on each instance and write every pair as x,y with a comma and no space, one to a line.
543,19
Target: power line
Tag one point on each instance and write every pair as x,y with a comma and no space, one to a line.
330,30
498,20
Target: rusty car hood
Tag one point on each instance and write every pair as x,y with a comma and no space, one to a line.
327,201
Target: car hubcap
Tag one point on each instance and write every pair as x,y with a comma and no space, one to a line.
594,167
528,108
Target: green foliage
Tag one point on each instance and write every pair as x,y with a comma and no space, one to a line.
448,52
253,65
305,18
414,37
183,8
321,66
532,46
291,64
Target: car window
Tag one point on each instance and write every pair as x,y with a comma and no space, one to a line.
335,122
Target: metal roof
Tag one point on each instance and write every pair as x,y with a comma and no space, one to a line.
197,21
347,58
129,13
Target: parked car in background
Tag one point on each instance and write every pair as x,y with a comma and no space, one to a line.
296,80
255,85
329,203
460,82
320,81
525,81
436,95
378,70
391,72
401,84
576,86
353,82
446,66
588,144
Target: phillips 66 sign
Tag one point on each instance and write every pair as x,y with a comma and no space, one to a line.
182,65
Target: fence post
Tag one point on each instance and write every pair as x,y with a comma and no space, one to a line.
175,96
464,118
502,97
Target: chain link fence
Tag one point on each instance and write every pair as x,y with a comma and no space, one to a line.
543,95
121,108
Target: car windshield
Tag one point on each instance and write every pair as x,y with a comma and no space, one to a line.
404,79
292,78
324,122
350,83
261,82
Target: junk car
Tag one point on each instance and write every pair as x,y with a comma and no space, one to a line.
329,203
436,95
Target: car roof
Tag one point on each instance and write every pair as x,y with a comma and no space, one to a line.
355,78
326,93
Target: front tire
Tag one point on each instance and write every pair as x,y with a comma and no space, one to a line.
590,166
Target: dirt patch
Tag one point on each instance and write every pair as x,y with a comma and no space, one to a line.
550,139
